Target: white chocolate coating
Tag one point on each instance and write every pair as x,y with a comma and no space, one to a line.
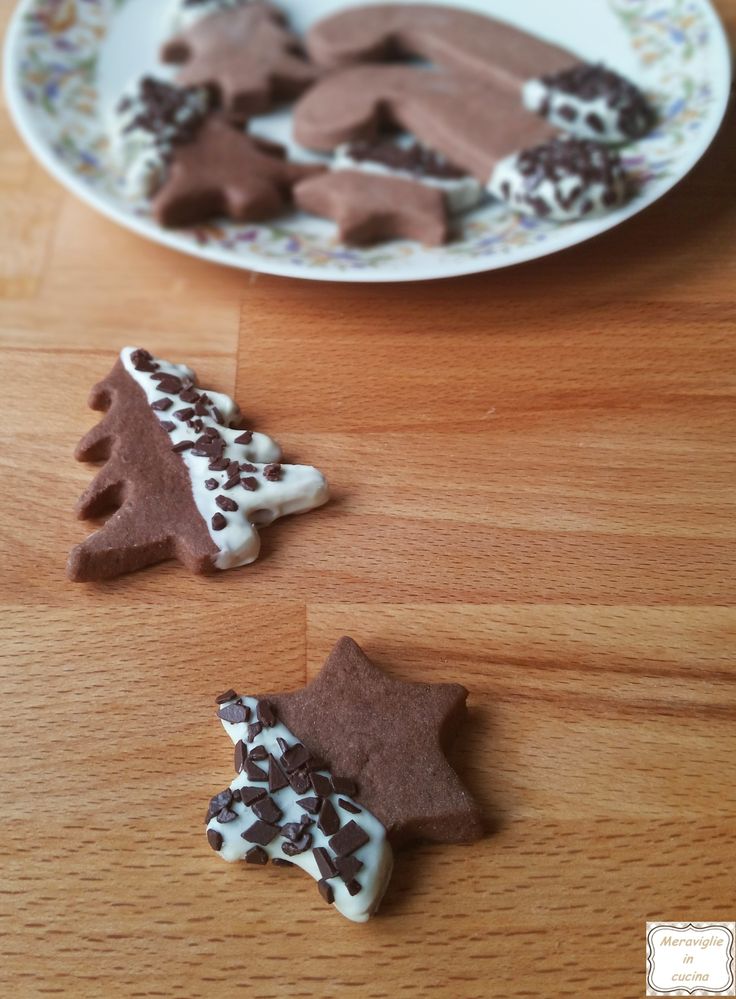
537,95
567,198
299,489
461,193
376,855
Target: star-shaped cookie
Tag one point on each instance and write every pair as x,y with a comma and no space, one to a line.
370,207
224,171
390,737
247,54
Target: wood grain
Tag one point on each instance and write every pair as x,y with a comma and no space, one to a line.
534,495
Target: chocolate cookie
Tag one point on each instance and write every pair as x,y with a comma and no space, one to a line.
370,207
246,52
333,775
516,155
183,479
590,102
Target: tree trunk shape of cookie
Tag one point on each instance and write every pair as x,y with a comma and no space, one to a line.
179,480
517,155
223,171
369,207
589,101
247,53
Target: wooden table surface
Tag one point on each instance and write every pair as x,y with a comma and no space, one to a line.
533,476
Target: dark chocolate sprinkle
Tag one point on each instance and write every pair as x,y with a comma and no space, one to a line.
282,744
348,806
329,820
567,112
635,117
245,438
168,426
211,484
272,473
222,800
249,795
353,887
266,714
226,815
245,466
321,785
301,845
256,855
236,794
254,772
200,409
276,776
324,862
217,415
268,810
415,159
348,867
311,805
234,713
182,446
350,838
233,481
258,753
299,781
161,405
218,465
240,756
168,383
295,758
142,360
325,890
189,395
249,483
214,838
218,522
229,695
225,503
253,731
184,414
261,833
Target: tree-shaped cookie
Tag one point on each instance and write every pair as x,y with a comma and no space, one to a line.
332,776
247,53
183,479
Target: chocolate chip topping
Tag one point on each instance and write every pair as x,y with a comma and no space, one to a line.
256,855
324,862
249,483
415,159
218,464
168,383
348,806
321,785
234,713
240,756
562,159
142,360
214,838
245,438
182,446
254,772
299,781
295,758
276,776
329,820
311,805
218,522
295,847
225,503
161,405
258,753
325,890
168,426
348,867
266,714
635,117
261,833
211,484
220,801
272,472
350,838
229,695
353,887
249,795
226,815
253,731
268,810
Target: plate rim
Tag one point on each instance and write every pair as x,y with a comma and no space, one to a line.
723,64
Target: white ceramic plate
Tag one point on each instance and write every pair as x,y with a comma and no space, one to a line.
67,61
